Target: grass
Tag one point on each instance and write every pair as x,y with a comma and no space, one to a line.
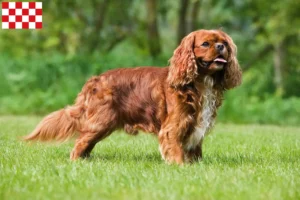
241,162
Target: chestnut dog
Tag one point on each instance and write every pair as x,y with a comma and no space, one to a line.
177,103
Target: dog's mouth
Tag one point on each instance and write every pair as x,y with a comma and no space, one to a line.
220,60
217,64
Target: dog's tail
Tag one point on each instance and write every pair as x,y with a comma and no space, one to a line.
59,125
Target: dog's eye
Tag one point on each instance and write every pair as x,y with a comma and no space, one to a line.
225,43
205,44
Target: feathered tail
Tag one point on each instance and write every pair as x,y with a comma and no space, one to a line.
59,125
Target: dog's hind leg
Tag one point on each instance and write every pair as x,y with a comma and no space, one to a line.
86,142
95,129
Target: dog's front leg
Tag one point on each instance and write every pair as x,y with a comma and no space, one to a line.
170,147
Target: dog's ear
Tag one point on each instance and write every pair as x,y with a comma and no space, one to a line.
232,72
183,67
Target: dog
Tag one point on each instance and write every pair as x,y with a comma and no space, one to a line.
177,103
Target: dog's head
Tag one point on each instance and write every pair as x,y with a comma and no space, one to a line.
205,52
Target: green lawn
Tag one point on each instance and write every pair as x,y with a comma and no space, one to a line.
240,162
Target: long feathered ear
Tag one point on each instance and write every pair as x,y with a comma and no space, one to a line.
183,68
232,73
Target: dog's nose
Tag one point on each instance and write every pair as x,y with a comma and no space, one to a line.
219,46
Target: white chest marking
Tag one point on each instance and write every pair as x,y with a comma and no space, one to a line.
204,119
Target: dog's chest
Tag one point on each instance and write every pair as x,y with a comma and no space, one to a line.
205,118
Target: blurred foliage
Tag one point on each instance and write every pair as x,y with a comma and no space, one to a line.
42,70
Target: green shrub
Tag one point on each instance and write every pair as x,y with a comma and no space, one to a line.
40,84
43,83
240,108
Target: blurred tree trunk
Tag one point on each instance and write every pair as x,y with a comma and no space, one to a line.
278,68
117,39
99,16
182,29
256,57
194,15
153,35
163,12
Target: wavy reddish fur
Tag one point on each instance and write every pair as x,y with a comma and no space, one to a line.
177,103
